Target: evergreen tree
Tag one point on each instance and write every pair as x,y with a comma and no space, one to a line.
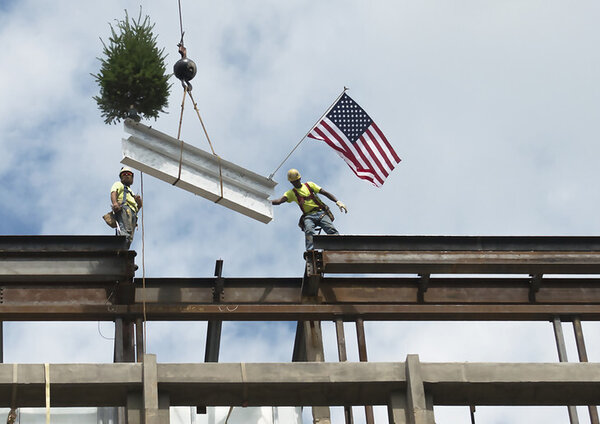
132,77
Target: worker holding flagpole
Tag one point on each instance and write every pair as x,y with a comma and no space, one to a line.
315,213
355,137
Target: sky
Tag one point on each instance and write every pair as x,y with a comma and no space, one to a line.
493,107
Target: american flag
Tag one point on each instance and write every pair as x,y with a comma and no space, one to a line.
354,136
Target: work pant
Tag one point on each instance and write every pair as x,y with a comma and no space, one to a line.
313,220
127,221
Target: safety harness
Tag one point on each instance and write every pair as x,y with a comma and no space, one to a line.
312,196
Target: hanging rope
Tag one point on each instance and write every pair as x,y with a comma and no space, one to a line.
210,144
306,135
179,137
144,332
47,377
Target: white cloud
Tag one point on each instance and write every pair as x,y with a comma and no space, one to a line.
492,106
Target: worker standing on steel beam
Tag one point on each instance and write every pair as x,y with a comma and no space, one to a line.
125,204
315,213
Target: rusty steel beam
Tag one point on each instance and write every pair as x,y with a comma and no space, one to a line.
280,299
371,312
62,243
331,290
449,262
298,311
457,243
373,290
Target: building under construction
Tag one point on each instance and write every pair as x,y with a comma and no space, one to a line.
88,278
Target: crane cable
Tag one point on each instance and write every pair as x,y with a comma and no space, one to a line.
187,90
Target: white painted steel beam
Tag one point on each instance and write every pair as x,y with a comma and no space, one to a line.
157,154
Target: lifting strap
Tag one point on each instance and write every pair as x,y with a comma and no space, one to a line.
312,196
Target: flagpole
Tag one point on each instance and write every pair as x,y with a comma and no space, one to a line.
311,128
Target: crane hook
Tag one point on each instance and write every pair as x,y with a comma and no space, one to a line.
185,68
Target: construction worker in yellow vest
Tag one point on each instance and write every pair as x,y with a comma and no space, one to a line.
125,204
315,213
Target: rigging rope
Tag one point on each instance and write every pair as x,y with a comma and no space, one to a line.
179,137
210,144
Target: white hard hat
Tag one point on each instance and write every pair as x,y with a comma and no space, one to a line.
125,169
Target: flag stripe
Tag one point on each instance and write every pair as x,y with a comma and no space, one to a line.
377,152
350,149
344,148
386,142
354,136
372,156
355,150
331,141
357,156
372,136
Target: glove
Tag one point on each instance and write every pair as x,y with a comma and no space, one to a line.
341,206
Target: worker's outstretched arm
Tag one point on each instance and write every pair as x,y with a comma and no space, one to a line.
279,201
333,199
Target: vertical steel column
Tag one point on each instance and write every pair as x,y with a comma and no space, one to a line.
213,341
118,357
593,410
128,341
1,342
118,346
139,339
214,327
313,340
562,357
124,351
341,342
362,356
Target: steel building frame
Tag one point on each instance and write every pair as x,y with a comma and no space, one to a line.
482,278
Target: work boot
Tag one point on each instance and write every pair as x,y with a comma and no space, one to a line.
306,254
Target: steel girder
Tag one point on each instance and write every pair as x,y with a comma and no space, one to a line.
202,173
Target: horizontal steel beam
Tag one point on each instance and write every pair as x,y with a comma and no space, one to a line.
372,312
279,299
460,243
202,173
299,384
26,244
59,260
332,290
456,262
72,267
302,312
